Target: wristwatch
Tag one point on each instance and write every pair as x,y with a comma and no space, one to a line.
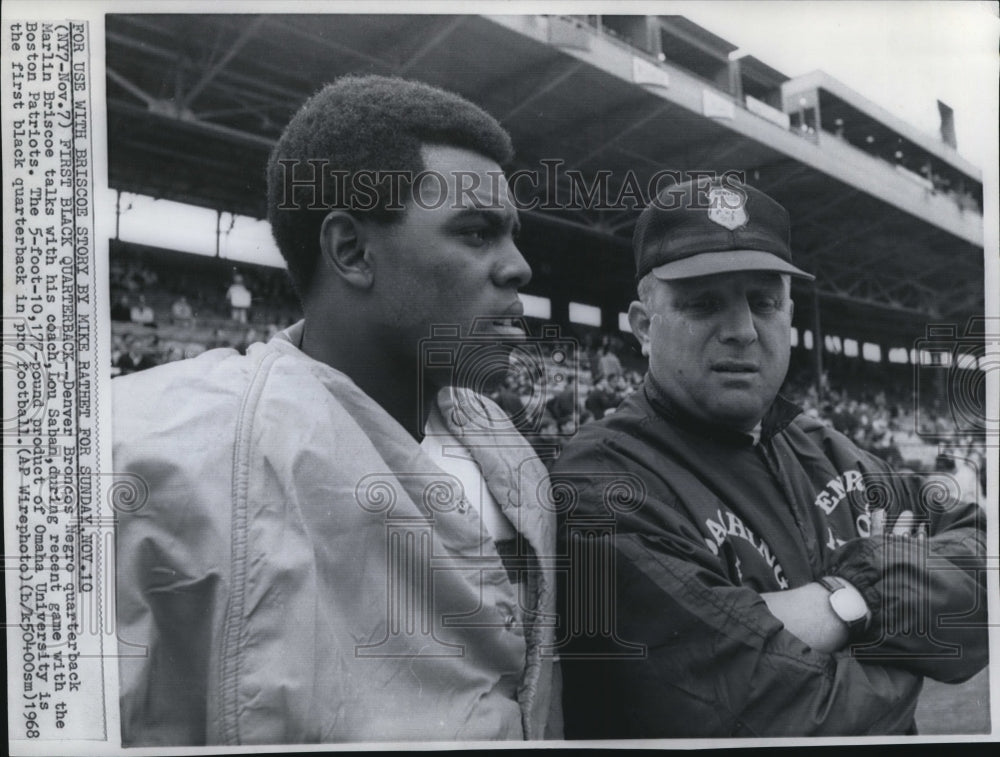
847,604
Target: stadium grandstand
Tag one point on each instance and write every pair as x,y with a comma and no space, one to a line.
888,344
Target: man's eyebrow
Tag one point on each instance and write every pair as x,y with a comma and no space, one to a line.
767,287
494,216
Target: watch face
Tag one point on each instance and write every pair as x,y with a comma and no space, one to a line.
849,605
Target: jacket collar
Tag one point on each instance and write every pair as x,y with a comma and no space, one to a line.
293,334
781,413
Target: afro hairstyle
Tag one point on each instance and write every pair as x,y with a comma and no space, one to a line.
363,124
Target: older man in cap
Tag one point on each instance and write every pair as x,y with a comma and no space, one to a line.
739,569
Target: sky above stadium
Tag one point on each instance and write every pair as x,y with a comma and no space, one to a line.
901,55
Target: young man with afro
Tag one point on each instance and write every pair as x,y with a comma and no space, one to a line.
337,544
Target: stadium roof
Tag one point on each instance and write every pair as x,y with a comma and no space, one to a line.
840,96
195,102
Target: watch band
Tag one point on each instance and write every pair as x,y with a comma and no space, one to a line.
833,583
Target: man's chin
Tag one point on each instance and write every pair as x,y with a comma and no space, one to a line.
739,416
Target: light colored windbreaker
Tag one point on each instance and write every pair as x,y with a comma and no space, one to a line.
301,571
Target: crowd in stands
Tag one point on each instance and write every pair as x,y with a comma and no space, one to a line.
156,320
162,312
922,439
135,350
174,287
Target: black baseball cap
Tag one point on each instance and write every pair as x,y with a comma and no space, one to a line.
700,228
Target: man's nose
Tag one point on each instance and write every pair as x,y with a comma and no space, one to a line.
738,324
512,269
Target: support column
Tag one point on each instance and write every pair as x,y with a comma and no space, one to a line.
609,319
736,81
654,42
560,311
218,232
817,329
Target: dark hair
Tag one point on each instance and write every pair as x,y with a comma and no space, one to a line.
364,123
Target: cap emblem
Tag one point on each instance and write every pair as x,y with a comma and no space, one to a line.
727,208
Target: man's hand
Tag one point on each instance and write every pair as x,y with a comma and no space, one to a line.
806,613
906,524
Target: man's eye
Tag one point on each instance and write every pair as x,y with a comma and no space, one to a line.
766,304
477,235
703,304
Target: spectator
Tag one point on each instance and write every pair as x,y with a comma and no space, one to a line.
142,314
506,396
239,299
547,441
137,354
592,355
193,349
181,311
173,353
246,340
564,407
944,463
219,339
601,399
611,366
121,311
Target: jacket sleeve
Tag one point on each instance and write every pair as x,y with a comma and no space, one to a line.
927,596
172,548
165,613
683,651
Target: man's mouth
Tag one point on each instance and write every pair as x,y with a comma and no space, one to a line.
736,367
509,322
512,325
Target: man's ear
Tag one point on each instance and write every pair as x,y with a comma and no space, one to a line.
638,318
342,240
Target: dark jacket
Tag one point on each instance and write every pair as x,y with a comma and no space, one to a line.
700,521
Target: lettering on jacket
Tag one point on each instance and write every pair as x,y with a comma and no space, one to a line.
835,492
732,525
837,489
